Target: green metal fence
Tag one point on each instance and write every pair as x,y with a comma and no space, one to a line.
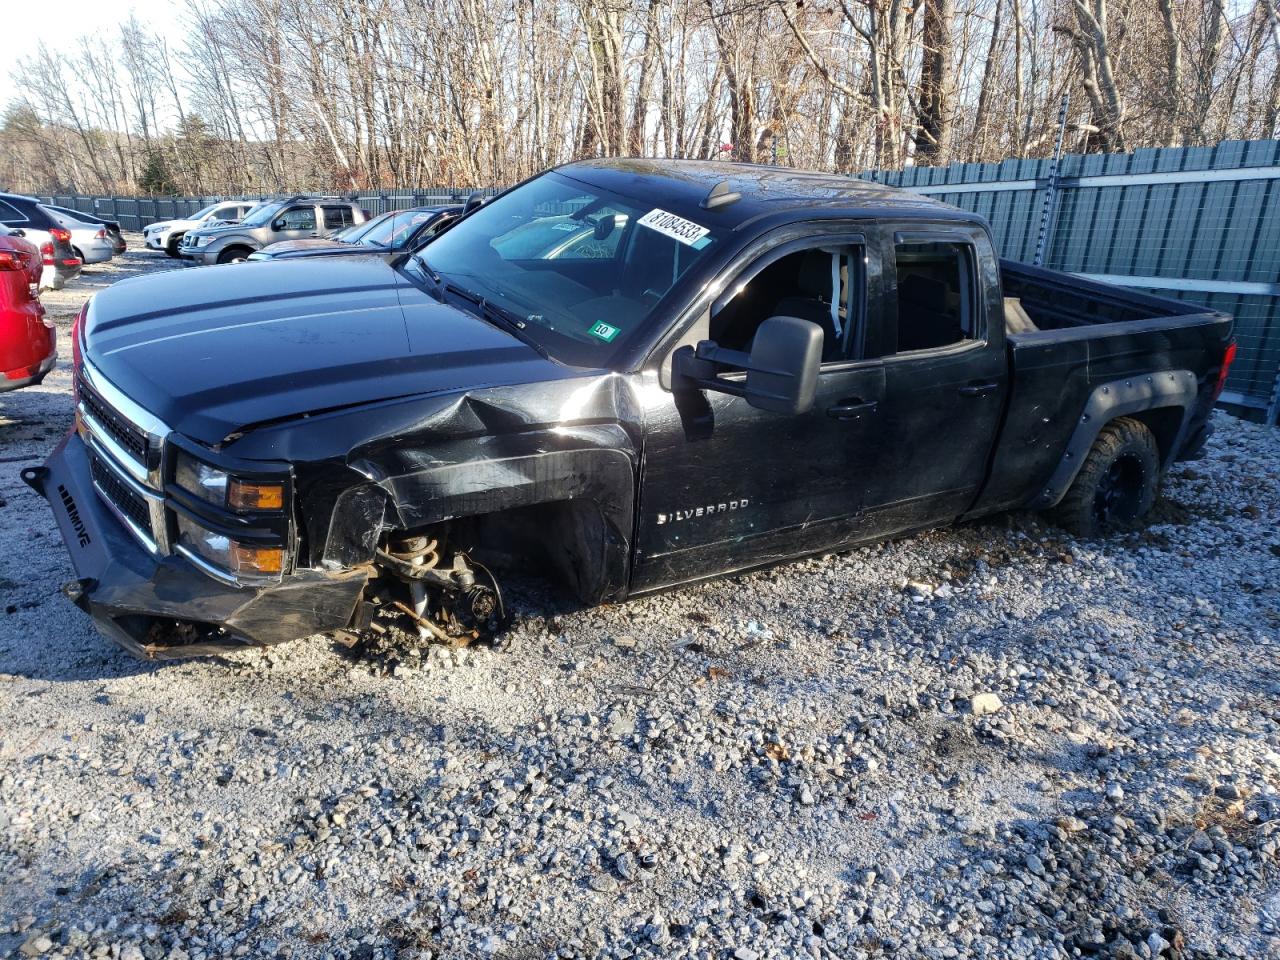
1200,224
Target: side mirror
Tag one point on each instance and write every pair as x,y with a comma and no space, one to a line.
278,223
782,367
474,202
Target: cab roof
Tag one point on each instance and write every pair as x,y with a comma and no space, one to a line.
768,191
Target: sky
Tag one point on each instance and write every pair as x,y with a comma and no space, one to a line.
61,24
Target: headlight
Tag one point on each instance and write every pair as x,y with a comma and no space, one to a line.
202,241
223,490
236,558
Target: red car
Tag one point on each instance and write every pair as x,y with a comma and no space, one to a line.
28,342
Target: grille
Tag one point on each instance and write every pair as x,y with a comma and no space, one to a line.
118,494
122,431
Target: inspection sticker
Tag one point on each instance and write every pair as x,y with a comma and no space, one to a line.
677,228
604,331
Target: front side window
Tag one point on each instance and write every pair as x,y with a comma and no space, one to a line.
582,270
298,218
935,294
820,284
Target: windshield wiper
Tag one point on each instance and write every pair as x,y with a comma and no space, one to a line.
499,316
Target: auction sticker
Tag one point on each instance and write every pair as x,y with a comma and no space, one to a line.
604,331
677,228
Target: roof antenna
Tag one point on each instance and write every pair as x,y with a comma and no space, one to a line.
720,196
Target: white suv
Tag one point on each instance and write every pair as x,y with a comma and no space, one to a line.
167,234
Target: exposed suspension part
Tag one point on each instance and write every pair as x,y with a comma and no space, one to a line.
457,603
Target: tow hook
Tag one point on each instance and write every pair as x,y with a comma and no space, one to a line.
77,591
33,477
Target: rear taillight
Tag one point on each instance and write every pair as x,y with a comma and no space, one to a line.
101,234
1228,358
12,260
46,253
60,234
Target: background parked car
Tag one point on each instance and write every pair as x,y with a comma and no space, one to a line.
389,234
89,240
293,219
39,226
28,342
167,234
118,244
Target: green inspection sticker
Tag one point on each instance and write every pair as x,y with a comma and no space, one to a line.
604,332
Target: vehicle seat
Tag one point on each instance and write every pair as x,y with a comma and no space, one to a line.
925,317
812,299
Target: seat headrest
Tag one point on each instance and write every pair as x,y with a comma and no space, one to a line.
814,275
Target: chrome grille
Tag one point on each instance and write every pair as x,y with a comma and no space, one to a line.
133,440
126,456
132,506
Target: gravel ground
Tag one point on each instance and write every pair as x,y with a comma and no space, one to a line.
991,741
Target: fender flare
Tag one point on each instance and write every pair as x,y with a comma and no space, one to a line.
1119,398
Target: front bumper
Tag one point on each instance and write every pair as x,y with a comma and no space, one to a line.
162,607
197,256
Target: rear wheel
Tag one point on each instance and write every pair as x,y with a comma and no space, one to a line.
234,255
1117,484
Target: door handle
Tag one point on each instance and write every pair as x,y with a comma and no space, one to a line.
852,408
978,389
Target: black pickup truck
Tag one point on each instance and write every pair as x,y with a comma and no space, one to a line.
628,374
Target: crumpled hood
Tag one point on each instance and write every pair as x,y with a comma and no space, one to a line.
212,352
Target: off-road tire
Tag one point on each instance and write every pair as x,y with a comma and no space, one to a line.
171,246
1117,484
233,254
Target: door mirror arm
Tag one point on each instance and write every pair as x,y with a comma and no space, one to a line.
782,367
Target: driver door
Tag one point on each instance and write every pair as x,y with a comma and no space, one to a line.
725,486
295,223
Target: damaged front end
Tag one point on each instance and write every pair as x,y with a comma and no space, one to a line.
175,556
161,606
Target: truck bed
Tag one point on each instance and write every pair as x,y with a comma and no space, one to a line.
1087,334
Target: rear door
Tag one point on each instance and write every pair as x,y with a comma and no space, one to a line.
941,343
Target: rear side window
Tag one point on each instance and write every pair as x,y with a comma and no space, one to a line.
299,218
336,218
10,214
935,296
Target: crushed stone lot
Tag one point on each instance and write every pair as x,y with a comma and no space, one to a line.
989,741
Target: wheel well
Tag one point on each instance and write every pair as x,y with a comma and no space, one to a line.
239,249
1164,424
569,543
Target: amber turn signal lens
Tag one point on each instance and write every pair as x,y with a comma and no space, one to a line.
261,560
251,495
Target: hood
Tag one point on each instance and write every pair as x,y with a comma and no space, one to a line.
213,228
313,243
213,352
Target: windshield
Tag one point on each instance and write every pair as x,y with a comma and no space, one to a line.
580,269
201,214
394,229
261,215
